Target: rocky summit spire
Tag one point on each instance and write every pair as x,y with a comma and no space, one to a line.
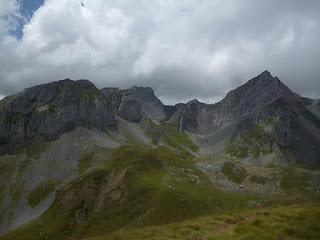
257,92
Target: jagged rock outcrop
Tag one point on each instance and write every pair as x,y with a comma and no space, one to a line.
246,99
46,111
260,117
285,125
130,104
250,97
313,105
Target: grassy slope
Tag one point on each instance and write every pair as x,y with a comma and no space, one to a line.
160,186
169,133
282,222
255,141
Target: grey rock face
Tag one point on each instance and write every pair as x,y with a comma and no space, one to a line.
47,110
56,162
250,97
288,122
256,93
130,104
313,105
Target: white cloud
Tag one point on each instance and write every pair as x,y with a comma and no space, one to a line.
183,49
65,33
9,15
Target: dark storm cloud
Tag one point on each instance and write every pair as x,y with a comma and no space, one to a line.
182,49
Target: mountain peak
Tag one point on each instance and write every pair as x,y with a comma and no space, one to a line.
48,110
257,92
262,77
193,101
85,83
265,73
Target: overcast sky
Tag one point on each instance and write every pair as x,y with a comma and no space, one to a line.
183,49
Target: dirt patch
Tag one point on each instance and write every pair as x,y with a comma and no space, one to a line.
83,193
226,227
229,225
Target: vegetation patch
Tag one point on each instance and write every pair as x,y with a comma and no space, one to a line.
134,188
84,163
17,191
181,137
110,135
293,222
236,150
17,186
48,108
36,149
169,132
234,173
271,122
251,140
17,116
88,93
2,188
294,179
258,179
40,193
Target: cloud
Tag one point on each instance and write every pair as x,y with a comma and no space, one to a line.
9,16
182,49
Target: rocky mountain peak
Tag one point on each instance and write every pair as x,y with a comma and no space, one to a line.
85,83
143,93
193,101
265,75
45,111
257,92
131,104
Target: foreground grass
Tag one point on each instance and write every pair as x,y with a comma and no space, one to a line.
293,222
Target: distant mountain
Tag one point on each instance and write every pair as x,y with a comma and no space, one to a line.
262,117
46,111
85,162
131,104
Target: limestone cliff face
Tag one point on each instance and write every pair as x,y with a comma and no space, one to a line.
246,99
258,118
46,111
132,103
250,97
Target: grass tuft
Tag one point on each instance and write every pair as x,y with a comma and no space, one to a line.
40,193
234,173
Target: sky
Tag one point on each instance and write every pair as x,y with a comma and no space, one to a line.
183,49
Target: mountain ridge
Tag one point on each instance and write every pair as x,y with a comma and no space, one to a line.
50,109
136,157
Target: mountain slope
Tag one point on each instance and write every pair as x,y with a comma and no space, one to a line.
134,187
94,161
259,118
